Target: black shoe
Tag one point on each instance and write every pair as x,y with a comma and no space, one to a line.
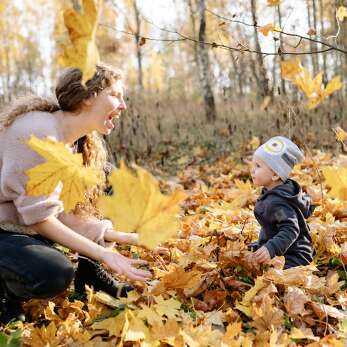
10,308
94,275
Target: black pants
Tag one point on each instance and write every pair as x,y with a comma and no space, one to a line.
31,268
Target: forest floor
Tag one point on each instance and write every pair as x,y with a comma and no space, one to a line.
206,293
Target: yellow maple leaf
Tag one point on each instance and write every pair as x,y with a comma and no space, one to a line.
150,315
336,178
341,135
61,166
290,69
169,308
242,195
269,27
273,2
138,205
113,325
245,305
341,13
333,85
82,52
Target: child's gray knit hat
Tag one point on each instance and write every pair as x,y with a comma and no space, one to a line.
280,154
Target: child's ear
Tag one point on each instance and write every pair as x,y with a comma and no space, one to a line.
275,177
87,102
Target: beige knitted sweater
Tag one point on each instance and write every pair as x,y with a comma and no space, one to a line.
17,210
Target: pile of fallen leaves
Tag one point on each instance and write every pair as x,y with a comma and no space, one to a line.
205,293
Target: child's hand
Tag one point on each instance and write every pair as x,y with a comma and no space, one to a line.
162,250
261,256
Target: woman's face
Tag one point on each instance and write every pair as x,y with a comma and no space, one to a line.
106,107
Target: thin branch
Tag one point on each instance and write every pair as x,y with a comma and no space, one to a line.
133,34
239,48
282,32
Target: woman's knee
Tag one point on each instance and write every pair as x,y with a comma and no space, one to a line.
60,273
31,268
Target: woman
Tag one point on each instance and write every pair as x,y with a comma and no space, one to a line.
29,266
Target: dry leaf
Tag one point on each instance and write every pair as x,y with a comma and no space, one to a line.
82,51
61,166
273,2
336,178
341,13
138,205
269,27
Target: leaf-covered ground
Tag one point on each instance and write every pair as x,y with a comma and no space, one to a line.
205,293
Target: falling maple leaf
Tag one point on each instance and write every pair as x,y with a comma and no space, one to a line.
269,27
341,135
293,71
61,166
341,13
291,68
138,205
336,178
273,2
82,51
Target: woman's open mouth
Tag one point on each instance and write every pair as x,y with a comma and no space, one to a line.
111,118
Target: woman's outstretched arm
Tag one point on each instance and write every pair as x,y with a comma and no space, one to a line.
53,229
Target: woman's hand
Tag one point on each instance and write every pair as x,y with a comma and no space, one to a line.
125,266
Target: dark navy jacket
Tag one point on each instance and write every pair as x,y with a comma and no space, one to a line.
281,212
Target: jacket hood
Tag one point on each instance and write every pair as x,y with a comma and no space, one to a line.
292,192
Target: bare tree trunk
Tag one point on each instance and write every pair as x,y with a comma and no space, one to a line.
313,46
283,82
262,79
315,27
210,106
192,12
237,72
138,44
322,33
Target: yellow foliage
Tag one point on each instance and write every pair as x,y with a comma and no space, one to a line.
341,13
82,52
169,308
138,205
245,305
341,135
217,294
269,27
291,68
61,166
293,71
273,2
336,178
113,325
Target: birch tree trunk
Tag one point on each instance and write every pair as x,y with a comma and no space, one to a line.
261,76
322,33
283,82
204,64
138,44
